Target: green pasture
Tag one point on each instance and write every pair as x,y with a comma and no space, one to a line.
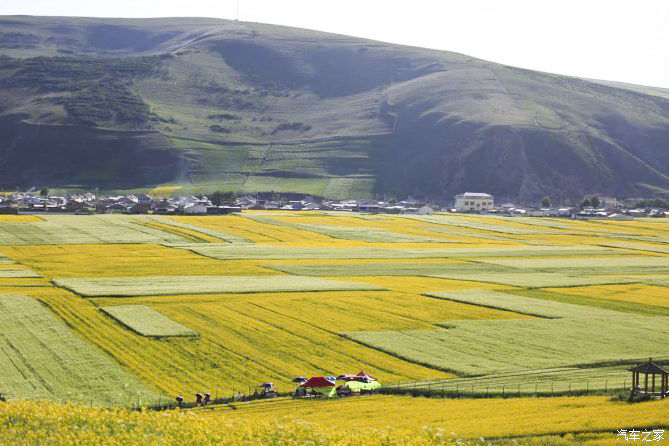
147,322
43,359
471,348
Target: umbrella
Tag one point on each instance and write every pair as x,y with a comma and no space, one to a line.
346,377
299,379
266,385
331,378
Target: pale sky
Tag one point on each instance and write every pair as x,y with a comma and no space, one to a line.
621,40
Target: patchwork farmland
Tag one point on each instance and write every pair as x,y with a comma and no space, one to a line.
120,311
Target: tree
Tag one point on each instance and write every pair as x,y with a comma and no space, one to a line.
546,202
594,200
218,198
44,192
586,203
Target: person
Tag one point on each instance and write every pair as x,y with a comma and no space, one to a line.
239,396
198,399
207,398
180,401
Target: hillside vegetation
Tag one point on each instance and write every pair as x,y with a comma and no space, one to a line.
214,104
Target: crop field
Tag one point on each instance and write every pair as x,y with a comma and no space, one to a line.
531,279
43,359
360,232
386,269
609,262
635,293
484,347
407,421
166,285
541,381
276,252
73,229
522,305
17,273
116,306
147,321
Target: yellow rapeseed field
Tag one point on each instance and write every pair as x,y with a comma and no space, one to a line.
356,421
20,218
240,344
123,260
636,293
471,418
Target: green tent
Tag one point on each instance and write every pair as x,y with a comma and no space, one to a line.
358,386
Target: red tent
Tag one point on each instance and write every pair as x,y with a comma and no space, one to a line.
364,375
317,381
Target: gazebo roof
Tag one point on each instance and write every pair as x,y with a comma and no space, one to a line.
650,368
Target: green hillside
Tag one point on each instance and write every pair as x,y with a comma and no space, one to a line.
215,104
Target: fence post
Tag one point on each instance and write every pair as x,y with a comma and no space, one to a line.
535,389
518,389
551,386
503,388
606,386
625,385
587,385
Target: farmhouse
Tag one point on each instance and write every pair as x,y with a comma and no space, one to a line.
474,201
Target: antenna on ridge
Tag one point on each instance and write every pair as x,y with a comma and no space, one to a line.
237,19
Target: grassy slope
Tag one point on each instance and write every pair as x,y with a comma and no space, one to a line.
253,107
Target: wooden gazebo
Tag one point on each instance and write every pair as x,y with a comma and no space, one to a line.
652,369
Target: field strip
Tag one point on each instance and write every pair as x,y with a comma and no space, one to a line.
637,247
230,238
385,269
191,234
17,273
533,279
232,251
174,285
43,358
639,294
523,305
584,262
118,260
544,380
147,321
88,229
366,234
470,224
471,348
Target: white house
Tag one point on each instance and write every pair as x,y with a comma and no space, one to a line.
195,209
474,201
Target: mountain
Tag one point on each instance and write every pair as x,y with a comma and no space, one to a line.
215,104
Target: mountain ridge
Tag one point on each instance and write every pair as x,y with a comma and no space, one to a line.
253,107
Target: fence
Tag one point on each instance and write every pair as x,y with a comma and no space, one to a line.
217,398
446,389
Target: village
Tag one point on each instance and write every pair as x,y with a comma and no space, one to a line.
218,203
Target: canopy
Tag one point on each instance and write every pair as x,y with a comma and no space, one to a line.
318,381
364,375
299,379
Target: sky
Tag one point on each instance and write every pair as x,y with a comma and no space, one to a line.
620,40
